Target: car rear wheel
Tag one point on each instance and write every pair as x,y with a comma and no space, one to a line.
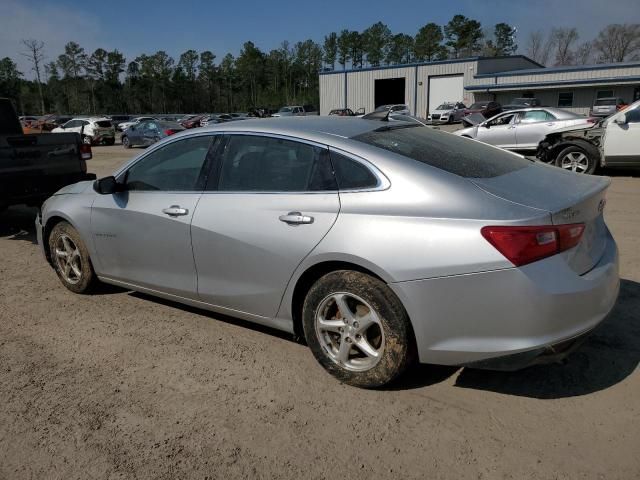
577,159
70,259
357,329
125,142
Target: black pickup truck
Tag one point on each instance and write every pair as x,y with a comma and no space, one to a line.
34,166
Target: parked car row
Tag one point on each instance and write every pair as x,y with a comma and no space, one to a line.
565,139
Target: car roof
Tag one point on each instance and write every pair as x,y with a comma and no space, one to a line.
321,129
558,112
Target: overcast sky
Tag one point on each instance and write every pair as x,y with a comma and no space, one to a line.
142,26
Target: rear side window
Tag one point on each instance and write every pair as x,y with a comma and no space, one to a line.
252,163
351,174
453,154
536,116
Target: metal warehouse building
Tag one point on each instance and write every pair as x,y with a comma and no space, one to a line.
424,86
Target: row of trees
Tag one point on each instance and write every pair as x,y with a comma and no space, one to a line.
103,81
561,46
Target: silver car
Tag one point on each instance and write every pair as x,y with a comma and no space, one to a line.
379,242
523,129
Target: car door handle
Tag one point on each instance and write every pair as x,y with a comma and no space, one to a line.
295,218
550,124
175,211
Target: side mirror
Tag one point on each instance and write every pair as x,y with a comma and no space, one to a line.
621,120
107,186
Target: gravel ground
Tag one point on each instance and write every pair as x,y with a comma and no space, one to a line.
122,385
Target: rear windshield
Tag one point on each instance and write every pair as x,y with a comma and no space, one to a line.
103,123
453,154
606,101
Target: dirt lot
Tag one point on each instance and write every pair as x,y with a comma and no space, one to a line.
121,385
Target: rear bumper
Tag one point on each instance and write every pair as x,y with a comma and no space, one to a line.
467,319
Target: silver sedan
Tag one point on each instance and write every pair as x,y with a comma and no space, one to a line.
523,129
381,243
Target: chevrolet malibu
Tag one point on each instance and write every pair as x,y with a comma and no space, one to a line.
382,243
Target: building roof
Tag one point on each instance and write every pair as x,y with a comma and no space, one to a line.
433,62
561,69
552,83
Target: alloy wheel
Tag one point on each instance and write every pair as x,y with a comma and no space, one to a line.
575,161
349,331
68,259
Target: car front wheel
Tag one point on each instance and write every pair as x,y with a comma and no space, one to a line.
70,259
125,142
578,159
357,329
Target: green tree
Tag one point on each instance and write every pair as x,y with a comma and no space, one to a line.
401,49
463,36
207,76
428,43
250,67
9,79
356,49
331,49
344,48
375,43
505,39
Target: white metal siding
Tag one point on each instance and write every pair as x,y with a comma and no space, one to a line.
331,92
466,69
361,86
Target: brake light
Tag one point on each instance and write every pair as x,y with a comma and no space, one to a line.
523,245
170,131
85,151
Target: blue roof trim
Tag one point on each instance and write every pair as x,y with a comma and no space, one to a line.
504,86
541,71
404,65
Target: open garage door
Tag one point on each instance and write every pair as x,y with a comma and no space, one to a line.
449,88
388,91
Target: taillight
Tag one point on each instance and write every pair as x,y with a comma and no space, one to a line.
170,132
593,120
85,151
523,245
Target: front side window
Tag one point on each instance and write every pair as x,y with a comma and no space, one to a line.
633,116
252,163
176,167
501,120
565,99
534,116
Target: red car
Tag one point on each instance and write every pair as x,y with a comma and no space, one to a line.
487,108
192,122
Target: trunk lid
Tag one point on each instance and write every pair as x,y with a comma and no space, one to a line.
567,197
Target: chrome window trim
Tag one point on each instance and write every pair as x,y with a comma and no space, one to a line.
383,182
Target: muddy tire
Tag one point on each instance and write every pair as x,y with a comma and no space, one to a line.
581,157
70,259
357,329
